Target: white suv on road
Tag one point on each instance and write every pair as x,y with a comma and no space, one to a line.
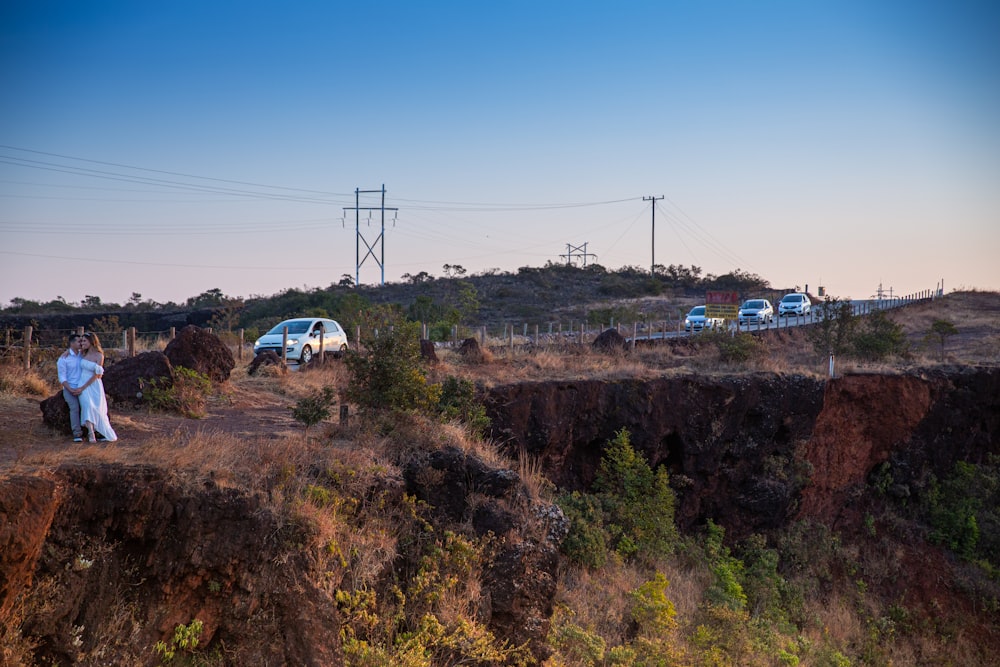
795,303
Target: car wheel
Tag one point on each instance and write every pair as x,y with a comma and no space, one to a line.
342,351
307,355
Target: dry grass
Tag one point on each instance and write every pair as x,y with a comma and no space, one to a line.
15,380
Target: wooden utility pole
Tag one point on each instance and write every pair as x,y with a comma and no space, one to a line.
652,244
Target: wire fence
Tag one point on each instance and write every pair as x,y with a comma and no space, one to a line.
37,344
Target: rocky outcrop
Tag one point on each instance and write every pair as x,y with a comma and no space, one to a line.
521,573
130,544
201,351
267,358
729,443
754,451
125,381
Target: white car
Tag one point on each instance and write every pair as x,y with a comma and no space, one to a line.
756,311
696,321
303,338
795,303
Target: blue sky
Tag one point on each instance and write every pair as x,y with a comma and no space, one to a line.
171,148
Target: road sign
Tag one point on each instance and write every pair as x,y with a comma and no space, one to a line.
722,304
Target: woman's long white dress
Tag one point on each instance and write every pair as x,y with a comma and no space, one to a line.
93,402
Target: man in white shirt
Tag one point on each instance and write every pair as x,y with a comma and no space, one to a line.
68,368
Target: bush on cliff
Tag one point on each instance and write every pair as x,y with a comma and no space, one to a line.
631,512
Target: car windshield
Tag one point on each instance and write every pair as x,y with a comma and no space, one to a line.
697,310
293,328
753,304
792,298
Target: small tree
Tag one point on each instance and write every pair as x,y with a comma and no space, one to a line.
879,337
940,332
313,409
389,374
835,330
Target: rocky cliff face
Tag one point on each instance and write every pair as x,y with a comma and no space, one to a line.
754,451
128,553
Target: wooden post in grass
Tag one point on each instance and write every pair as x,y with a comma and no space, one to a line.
173,332
284,345
239,350
635,332
344,413
130,342
322,348
27,347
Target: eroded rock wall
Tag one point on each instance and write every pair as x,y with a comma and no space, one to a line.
755,451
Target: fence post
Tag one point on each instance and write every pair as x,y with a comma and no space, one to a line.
79,331
536,335
130,343
344,412
284,345
357,337
635,332
322,347
239,350
173,332
512,338
27,347
582,325
482,336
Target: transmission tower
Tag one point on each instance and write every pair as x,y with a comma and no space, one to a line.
577,252
379,241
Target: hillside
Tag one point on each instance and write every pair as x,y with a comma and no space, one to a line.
817,522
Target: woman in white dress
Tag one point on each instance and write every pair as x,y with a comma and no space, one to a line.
93,402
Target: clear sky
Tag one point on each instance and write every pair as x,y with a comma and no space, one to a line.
169,148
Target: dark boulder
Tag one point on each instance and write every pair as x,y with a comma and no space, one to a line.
55,414
472,352
609,340
124,381
427,351
201,351
267,358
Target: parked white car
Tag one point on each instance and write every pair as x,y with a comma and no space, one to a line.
795,303
303,338
756,311
697,321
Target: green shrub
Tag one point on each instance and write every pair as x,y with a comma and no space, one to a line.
878,338
458,401
388,374
834,331
313,409
185,393
631,511
939,333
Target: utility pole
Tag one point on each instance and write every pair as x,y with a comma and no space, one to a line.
652,244
575,252
379,241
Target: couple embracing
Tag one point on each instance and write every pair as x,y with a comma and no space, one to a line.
80,370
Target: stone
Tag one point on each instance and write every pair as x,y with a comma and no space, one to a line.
201,351
609,340
267,358
55,414
427,351
124,380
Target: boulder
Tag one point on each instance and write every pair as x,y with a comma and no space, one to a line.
267,358
123,381
609,340
55,414
201,351
471,351
427,351
521,574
